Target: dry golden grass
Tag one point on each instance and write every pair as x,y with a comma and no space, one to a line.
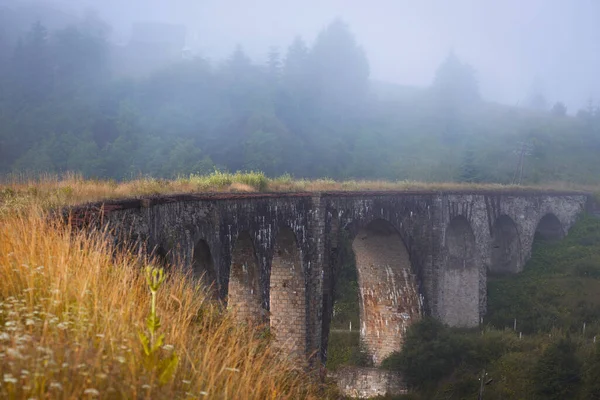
20,192
71,312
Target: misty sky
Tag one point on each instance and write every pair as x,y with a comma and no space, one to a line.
511,43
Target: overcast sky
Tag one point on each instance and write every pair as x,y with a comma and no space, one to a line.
511,43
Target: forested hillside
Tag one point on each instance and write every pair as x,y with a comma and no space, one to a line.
310,110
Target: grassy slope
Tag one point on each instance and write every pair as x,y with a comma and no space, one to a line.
559,287
70,189
70,315
558,291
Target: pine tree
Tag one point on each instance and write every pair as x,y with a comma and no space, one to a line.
274,64
469,171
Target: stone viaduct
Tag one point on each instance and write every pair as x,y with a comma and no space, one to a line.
274,256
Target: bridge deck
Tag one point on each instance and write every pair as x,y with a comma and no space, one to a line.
147,201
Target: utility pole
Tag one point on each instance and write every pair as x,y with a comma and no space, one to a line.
483,382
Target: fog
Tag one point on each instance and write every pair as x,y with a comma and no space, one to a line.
433,90
512,44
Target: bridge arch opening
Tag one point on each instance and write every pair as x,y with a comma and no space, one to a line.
288,294
341,343
203,266
389,299
461,275
244,281
549,228
506,247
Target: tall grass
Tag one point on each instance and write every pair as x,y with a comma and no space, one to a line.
21,191
71,309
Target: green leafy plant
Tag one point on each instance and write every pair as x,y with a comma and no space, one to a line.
152,343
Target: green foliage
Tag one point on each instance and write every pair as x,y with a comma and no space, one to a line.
430,352
152,343
64,106
592,375
345,348
557,372
469,171
554,359
219,179
346,296
558,287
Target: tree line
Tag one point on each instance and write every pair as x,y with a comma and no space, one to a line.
310,110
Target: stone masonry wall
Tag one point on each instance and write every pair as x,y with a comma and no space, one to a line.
288,296
364,383
389,296
244,282
461,276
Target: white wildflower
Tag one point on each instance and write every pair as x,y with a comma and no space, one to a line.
55,385
91,392
24,339
121,359
14,353
8,378
4,336
168,347
46,350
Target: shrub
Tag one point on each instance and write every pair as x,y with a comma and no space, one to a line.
556,374
430,352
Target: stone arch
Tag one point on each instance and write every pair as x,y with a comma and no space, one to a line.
506,246
288,294
549,228
461,275
244,281
388,290
203,266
